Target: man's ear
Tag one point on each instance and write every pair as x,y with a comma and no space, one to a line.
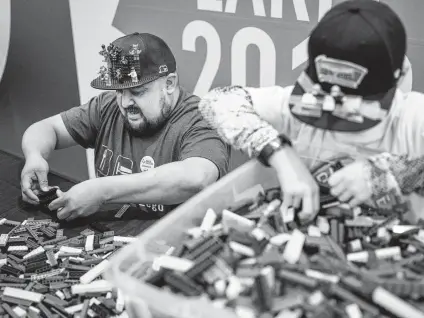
405,79
171,82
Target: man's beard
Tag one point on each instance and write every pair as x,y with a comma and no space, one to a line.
146,127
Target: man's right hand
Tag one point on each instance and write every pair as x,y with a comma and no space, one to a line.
297,184
34,178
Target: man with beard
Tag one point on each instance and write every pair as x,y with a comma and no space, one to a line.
153,150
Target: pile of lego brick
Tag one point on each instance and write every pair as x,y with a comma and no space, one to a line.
46,274
259,260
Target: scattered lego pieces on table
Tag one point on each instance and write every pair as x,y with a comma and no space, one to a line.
46,274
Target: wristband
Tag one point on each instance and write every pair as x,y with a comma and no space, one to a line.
274,145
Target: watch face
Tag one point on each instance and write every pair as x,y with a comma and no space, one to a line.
276,144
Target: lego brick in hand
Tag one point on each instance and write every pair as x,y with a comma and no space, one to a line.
46,197
323,172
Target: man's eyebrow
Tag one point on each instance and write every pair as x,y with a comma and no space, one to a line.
139,90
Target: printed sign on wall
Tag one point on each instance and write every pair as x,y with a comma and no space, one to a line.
222,42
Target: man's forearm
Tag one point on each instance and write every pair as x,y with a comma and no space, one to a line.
280,157
167,184
39,139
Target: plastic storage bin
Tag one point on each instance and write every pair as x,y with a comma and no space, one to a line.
127,265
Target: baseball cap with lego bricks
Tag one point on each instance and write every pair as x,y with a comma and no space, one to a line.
356,55
134,60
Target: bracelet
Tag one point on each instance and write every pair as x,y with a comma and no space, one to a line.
272,147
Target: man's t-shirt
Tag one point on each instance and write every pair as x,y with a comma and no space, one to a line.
99,124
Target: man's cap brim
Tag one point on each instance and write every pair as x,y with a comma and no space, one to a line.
114,84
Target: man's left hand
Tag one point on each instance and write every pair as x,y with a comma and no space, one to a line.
351,184
81,200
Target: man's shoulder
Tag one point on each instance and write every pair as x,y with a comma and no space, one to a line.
188,98
187,115
410,104
106,98
188,104
407,110
106,104
271,101
413,98
271,93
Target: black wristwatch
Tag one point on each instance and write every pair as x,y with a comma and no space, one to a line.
274,145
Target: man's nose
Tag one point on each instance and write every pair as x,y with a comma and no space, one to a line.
127,99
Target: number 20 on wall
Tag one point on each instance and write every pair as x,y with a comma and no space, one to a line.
242,39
